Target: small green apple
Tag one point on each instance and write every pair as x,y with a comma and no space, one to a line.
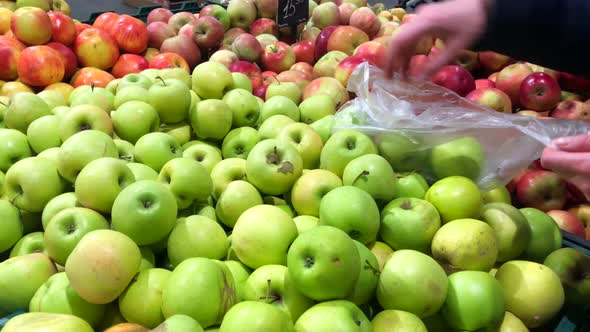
459,157
44,133
336,315
171,99
286,89
211,119
382,251
411,185
24,108
211,80
240,273
182,131
455,197
306,141
316,107
112,86
305,223
239,142
241,81
56,204
397,321
545,235
273,126
14,146
142,172
176,73
205,154
156,149
366,284
244,107
51,154
134,119
179,323
568,264
309,189
373,174
91,95
11,229
237,197
148,259
256,316
124,150
226,171
497,195
134,79
323,127
405,154
29,244
131,93
511,323
511,228
187,179
279,105
53,98
85,117
60,111
344,146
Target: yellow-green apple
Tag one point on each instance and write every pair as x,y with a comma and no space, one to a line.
158,31
129,63
266,39
491,97
145,211
511,227
403,154
177,73
159,15
458,157
242,13
540,284
310,33
568,222
130,34
63,28
169,60
229,37
237,197
177,322
373,52
145,292
455,78
401,320
277,57
539,92
56,204
366,20
21,277
12,228
171,99
29,244
241,81
327,64
130,93
196,236
31,25
304,222
279,92
156,148
84,117
91,75
5,15
492,61
35,321
373,174
546,236
90,95
225,57
205,154
541,189
410,185
209,112
381,251
279,105
125,150
455,197
211,80
142,172
306,141
266,8
14,146
366,284
582,212
572,110
40,66
510,79
475,300
180,19
134,119
344,146
325,14
226,171
316,107
43,4
346,39
568,264
309,189
247,47
347,316
9,55
244,107
206,285
411,269
256,315
218,12
11,88
329,86
185,47
187,179
249,69
96,48
264,26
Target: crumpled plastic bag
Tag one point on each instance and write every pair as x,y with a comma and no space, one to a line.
420,126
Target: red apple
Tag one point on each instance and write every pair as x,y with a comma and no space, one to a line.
96,48
266,8
247,47
572,110
130,34
159,15
298,77
91,76
417,64
325,15
31,25
574,83
373,52
510,79
328,86
346,9
249,69
183,46
303,67
455,78
278,57
543,190
484,83
63,28
81,27
264,25
10,50
539,92
181,19
493,98
129,63
207,32
346,39
346,67
106,21
231,35
169,60
304,51
568,222
321,42
468,60
269,77
492,61
365,19
260,92
158,31
40,66
67,56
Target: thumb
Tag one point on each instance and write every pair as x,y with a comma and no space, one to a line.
579,143
566,162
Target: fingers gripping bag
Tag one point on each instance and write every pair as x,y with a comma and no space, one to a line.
420,126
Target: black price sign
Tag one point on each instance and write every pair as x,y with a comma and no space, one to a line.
292,12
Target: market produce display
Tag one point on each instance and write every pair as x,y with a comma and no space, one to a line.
182,174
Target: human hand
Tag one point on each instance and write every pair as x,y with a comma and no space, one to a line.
571,160
457,22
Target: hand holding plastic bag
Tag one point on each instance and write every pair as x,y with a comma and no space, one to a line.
418,125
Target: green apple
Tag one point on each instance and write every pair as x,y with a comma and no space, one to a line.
44,133
91,95
532,291
273,126
53,98
101,181
3,108
67,228
204,154
196,236
135,119
352,210
23,109
179,323
512,323
41,321
239,142
336,315
226,171
237,197
263,229
187,179
305,223
316,269
511,228
474,301
285,89
244,107
402,283
240,273
14,146
409,223
156,149
410,185
134,79
51,154
131,93
545,235
142,172
273,166
171,99
467,244
124,150
28,244
241,81
309,189
256,316
279,105
84,117
112,86
373,174
462,157
211,80
151,73
455,197
56,295
11,229
366,284
271,284
82,148
60,111
397,321
381,251
102,264
20,277
182,131
141,302
306,141
569,264
323,127
316,107
176,73
32,182
56,204
497,195
145,211
201,288
405,154
211,119
344,146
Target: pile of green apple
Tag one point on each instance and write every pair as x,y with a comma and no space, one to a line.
185,203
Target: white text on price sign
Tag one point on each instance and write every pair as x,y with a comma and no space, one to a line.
292,12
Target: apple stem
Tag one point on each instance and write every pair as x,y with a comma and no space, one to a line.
268,296
92,86
161,79
276,79
363,173
3,104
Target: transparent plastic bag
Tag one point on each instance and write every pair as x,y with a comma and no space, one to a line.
420,126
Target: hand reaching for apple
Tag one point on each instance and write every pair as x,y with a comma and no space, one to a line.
457,22
571,160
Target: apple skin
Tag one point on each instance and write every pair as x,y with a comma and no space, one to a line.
455,78
568,263
247,47
511,228
455,197
208,32
492,61
304,51
238,197
159,15
242,13
9,59
546,236
128,64
325,14
35,321
400,319
40,66
491,97
130,34
337,152
347,38
170,59
12,229
535,282
68,57
306,141
267,8
310,188
185,47
90,75
91,42
365,19
217,12
254,315
321,42
158,31
29,244
568,222
539,92
572,110
187,179
156,149
541,189
278,57
31,25
346,317
208,72
458,157
510,80
14,146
